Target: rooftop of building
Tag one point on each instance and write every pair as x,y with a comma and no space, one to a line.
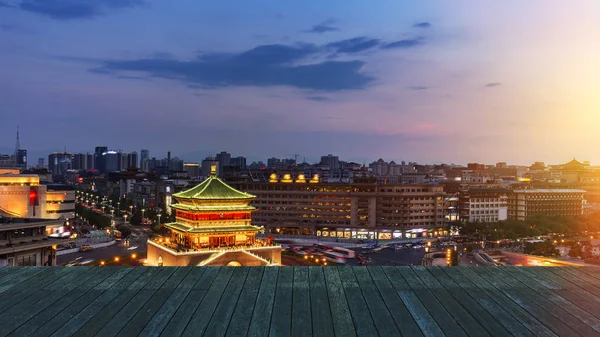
213,188
545,190
327,301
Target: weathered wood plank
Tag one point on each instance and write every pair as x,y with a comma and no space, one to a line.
138,322
62,317
26,284
122,318
526,303
281,317
340,311
224,311
523,316
23,311
437,310
419,312
81,318
25,294
186,310
493,313
64,298
162,317
319,303
18,275
470,314
363,320
94,325
260,321
384,322
405,322
201,318
301,314
240,320
576,279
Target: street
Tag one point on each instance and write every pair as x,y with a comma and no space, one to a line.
121,248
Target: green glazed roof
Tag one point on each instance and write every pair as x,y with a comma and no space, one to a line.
213,188
190,229
212,208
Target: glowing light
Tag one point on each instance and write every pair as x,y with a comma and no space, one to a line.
102,263
117,259
133,256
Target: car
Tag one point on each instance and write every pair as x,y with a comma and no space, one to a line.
85,248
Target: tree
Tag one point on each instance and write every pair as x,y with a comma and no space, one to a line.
125,230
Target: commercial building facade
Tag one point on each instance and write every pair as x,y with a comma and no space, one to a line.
484,205
289,205
24,242
523,204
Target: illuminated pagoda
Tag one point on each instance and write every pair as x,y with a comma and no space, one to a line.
212,228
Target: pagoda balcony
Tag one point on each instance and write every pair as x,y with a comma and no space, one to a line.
178,249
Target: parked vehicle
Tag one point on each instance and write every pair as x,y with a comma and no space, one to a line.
85,248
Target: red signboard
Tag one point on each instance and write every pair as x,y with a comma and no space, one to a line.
34,199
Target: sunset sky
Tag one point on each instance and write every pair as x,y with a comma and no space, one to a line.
454,82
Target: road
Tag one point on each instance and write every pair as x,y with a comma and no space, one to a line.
108,253
389,257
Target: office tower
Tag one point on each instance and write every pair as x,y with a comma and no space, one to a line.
41,163
207,163
82,161
192,169
333,162
133,160
238,162
59,163
98,158
144,157
110,161
224,159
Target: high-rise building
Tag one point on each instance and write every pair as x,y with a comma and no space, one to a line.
111,161
192,169
333,162
273,163
81,161
144,157
238,162
523,204
59,163
41,163
224,159
99,159
207,163
21,158
133,160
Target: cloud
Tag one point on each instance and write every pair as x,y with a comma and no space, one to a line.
318,98
416,88
406,43
133,78
493,85
353,45
422,25
75,9
263,66
324,27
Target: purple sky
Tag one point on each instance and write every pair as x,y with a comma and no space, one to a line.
460,81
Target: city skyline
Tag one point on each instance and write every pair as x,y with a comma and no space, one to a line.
448,83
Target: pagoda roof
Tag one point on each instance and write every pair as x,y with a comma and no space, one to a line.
212,208
574,162
213,188
207,230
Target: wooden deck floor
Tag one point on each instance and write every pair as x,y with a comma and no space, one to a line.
299,301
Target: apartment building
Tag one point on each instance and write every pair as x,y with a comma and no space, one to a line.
24,242
547,202
366,210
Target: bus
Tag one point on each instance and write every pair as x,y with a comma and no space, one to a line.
347,253
334,257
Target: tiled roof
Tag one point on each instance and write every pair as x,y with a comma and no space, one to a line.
213,188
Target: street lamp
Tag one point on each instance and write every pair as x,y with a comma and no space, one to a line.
143,214
125,216
159,218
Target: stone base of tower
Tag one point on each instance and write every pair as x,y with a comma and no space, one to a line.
160,255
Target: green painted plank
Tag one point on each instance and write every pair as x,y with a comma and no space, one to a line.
101,319
160,320
461,307
281,317
564,288
576,308
519,313
95,307
419,312
384,322
224,311
19,275
319,303
556,310
488,311
240,321
338,305
62,299
21,312
23,293
206,309
263,308
144,315
186,310
405,322
62,317
526,302
122,318
301,314
363,320
437,310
